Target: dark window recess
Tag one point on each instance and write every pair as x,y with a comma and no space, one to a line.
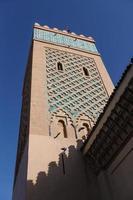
62,125
86,73
85,125
63,164
60,66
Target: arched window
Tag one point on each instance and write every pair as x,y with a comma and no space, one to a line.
86,127
83,131
86,73
62,128
59,66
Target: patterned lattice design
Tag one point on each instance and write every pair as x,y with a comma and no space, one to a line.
70,90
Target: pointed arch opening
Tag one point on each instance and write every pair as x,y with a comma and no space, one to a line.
86,127
83,131
62,128
83,126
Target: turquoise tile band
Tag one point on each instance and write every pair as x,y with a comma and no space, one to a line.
64,40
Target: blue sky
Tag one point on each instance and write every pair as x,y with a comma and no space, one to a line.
109,22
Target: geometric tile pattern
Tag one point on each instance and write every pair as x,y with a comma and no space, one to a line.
70,90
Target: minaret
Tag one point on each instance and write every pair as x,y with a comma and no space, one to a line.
65,89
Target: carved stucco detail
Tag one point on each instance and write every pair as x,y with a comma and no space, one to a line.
70,90
61,116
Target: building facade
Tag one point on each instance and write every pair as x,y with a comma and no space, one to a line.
109,150
66,87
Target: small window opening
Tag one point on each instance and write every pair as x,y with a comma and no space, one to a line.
62,127
86,73
86,126
60,66
84,131
63,160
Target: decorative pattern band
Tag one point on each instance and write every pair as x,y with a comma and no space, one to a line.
64,40
70,90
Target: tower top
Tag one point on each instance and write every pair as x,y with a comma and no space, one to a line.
65,32
64,38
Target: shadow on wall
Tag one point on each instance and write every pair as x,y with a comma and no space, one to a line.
66,180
